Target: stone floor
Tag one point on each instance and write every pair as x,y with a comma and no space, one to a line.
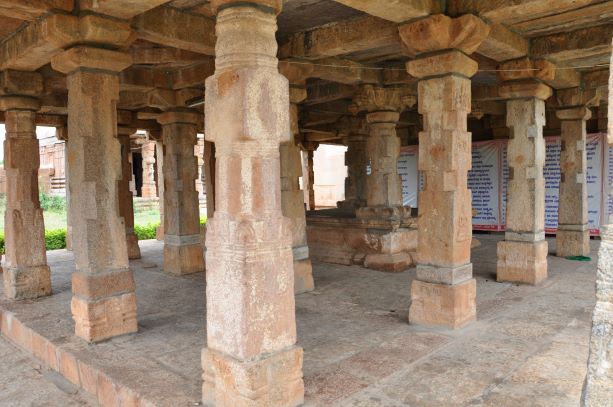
528,348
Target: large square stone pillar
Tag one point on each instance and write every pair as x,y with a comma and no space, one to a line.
126,198
26,273
522,256
573,236
103,303
251,358
183,252
444,292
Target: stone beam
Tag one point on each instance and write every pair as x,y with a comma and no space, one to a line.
164,55
592,44
342,38
178,29
33,47
191,76
120,8
397,11
503,44
510,12
32,9
328,92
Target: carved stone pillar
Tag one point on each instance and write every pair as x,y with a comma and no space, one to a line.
522,256
356,159
444,292
251,358
292,198
573,236
103,303
148,151
183,252
126,198
26,273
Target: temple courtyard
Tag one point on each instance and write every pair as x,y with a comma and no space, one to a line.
528,347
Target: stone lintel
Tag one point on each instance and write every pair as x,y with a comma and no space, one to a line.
440,32
273,5
574,113
23,83
120,8
524,236
82,57
577,228
502,44
397,11
524,89
32,9
186,116
382,117
446,63
444,275
19,103
94,286
577,96
126,131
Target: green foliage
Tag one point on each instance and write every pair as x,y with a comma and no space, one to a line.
54,240
52,203
146,232
203,220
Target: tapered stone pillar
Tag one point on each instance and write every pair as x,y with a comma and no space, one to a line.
159,155
26,273
103,303
292,198
573,236
356,159
126,198
183,252
522,256
444,292
251,358
148,151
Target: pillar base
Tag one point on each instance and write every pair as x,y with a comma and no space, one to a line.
272,380
303,276
183,259
133,248
391,262
572,243
452,306
522,262
22,283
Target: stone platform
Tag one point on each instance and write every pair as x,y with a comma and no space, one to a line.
528,347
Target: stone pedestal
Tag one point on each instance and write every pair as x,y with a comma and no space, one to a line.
251,357
103,303
26,274
183,252
126,198
573,237
444,292
522,257
149,189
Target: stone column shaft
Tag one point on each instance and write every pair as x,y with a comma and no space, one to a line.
126,198
103,303
356,160
444,292
148,151
159,155
311,179
573,236
251,358
26,274
209,177
183,252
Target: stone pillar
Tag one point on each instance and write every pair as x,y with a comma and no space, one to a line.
148,151
356,159
573,236
103,303
26,274
522,256
126,198
209,177
62,134
310,179
444,292
251,357
292,198
159,156
183,252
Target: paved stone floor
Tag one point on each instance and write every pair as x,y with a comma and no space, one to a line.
25,382
528,348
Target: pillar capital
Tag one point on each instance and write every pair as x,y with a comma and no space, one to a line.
88,58
185,116
379,99
578,97
440,32
527,88
574,113
523,78
272,6
28,103
445,63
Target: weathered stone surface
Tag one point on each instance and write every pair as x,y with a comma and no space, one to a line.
120,8
356,133
251,328
502,44
94,160
522,262
126,204
31,9
445,305
394,10
182,249
26,274
159,150
149,188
